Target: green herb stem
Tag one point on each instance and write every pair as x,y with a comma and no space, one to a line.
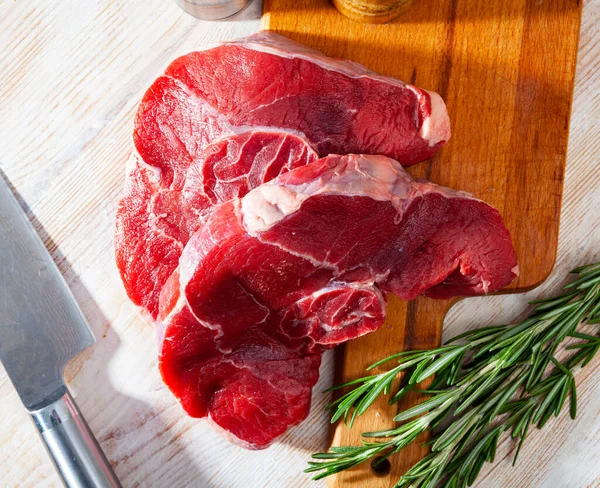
485,382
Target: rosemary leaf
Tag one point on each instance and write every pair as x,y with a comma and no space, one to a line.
486,382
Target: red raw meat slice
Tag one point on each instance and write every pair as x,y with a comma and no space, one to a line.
269,80
254,390
307,259
412,237
163,206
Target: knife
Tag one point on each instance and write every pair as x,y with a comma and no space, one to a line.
41,329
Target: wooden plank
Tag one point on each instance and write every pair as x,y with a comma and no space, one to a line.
506,71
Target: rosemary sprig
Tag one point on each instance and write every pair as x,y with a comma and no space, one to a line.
485,382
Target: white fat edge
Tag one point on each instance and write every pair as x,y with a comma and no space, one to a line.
515,270
436,127
381,178
268,204
377,177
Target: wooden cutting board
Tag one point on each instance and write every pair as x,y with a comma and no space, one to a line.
506,70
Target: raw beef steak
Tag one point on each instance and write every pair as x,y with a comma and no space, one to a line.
269,80
163,205
253,391
244,87
303,263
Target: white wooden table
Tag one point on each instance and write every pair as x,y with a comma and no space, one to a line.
71,75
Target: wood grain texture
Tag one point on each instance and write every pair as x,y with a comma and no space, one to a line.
506,70
371,11
71,75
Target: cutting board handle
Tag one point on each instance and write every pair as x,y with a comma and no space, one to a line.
72,446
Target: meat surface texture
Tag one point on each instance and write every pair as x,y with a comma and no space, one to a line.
302,263
269,80
247,88
163,206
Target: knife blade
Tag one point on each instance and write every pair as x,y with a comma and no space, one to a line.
41,329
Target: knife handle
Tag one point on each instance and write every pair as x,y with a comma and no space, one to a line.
73,448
